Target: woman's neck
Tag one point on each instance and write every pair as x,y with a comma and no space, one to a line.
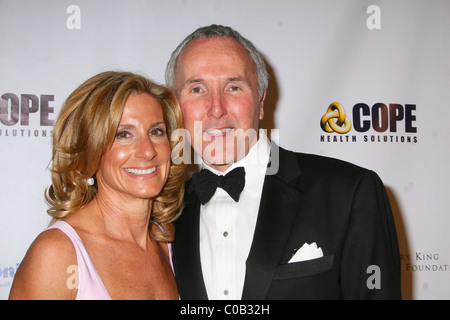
125,219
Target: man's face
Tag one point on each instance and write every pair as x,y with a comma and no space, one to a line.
216,84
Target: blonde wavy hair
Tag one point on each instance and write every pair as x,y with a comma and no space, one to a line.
85,129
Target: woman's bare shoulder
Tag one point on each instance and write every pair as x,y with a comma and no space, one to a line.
43,273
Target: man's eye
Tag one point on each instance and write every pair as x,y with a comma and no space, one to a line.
196,90
234,88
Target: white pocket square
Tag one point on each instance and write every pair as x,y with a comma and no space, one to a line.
307,252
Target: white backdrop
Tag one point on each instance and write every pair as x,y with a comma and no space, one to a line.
370,56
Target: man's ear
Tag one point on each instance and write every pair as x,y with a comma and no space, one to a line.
261,106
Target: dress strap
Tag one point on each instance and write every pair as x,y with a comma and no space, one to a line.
90,285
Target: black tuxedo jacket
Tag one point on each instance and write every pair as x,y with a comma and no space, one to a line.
341,207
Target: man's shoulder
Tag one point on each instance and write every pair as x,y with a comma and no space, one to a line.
315,163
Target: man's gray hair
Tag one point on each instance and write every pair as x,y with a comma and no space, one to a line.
220,31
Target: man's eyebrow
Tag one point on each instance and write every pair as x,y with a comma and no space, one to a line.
195,80
235,79
201,80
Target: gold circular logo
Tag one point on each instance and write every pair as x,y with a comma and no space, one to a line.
335,120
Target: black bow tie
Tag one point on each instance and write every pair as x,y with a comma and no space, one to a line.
205,183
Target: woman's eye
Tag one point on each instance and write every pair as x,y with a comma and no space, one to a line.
157,132
122,135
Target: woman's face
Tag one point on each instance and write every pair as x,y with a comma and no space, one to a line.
138,163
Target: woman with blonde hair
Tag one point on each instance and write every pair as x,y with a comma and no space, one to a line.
114,195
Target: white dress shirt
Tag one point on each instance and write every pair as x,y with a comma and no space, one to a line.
227,227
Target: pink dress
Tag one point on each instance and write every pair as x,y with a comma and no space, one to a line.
90,285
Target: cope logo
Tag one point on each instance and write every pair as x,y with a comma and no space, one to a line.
335,120
26,115
393,123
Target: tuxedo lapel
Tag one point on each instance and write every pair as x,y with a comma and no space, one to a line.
186,251
278,208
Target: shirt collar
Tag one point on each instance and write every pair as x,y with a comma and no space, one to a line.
254,163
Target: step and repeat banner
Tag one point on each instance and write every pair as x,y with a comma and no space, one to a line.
383,67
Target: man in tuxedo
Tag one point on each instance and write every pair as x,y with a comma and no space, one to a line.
303,226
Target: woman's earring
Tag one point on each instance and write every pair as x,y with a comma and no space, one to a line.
90,181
